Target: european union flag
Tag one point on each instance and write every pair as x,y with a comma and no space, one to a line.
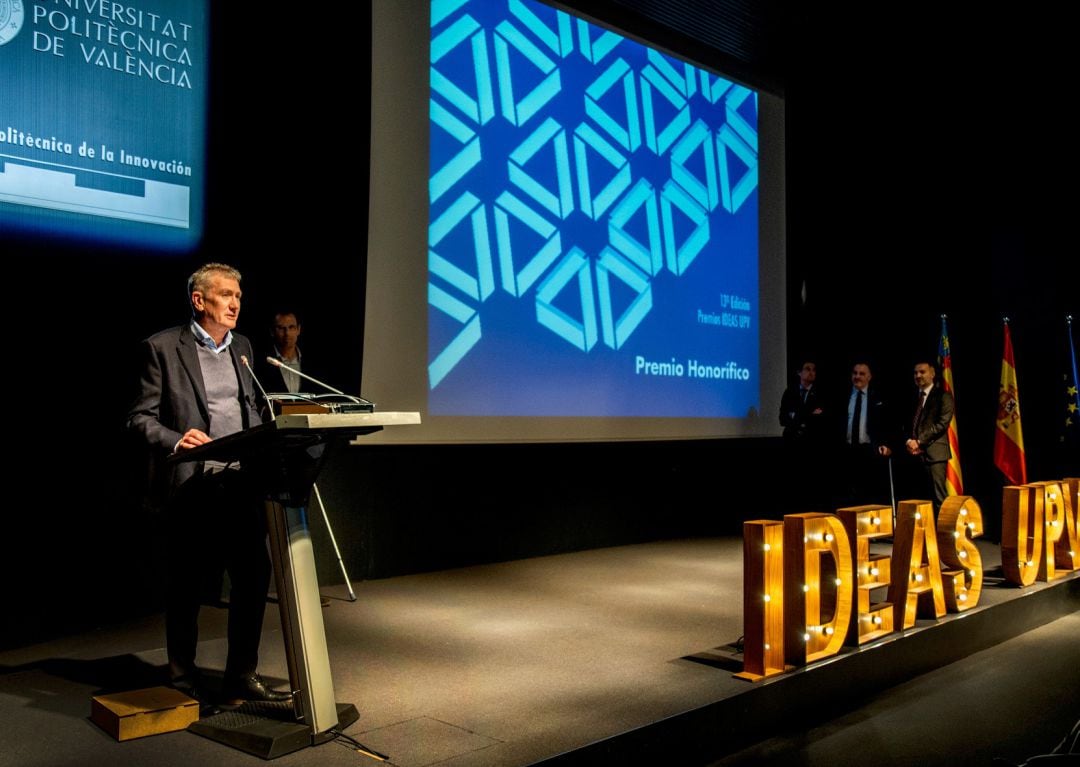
1070,419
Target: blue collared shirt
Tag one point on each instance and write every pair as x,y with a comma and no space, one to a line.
204,338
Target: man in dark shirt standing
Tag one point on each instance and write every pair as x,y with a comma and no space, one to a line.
285,332
194,388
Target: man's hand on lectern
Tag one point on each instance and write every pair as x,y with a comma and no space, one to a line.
192,438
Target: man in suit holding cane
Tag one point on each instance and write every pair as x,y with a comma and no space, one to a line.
928,441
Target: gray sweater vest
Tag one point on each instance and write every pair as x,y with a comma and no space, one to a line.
222,392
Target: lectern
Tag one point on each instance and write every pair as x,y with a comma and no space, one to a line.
283,459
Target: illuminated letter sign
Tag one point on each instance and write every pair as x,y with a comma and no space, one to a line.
916,569
815,546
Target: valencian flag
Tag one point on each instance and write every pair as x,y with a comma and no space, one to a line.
954,480
1009,439
1070,432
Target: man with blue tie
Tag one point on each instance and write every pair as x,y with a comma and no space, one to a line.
866,440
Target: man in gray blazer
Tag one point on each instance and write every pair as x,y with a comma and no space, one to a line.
928,441
195,387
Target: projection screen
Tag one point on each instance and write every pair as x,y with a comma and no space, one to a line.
573,235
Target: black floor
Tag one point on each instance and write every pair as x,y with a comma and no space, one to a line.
612,656
1002,706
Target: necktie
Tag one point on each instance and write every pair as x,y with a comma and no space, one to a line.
804,392
918,414
855,419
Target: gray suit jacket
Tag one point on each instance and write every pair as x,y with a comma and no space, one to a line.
172,398
932,429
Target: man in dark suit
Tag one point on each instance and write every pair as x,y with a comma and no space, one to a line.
803,415
928,438
867,433
194,388
801,409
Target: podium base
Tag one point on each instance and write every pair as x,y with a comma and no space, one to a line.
267,730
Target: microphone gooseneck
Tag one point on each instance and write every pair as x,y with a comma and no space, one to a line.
255,378
279,364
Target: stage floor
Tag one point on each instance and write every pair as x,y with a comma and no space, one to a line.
611,655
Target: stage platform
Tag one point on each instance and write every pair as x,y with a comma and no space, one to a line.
623,655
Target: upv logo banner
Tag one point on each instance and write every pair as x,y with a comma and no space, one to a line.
11,19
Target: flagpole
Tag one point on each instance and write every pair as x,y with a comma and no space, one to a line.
1072,353
954,478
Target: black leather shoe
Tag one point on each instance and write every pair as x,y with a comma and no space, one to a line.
189,684
236,690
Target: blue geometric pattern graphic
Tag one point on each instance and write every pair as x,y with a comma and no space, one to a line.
509,38
478,283
627,132
581,333
588,142
593,208
459,164
559,202
698,137
671,89
594,49
647,257
509,207
479,107
618,329
680,256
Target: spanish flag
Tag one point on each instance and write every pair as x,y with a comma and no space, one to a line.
1009,439
954,480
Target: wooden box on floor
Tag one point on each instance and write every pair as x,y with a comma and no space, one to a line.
138,713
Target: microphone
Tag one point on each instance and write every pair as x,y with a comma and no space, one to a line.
255,378
279,364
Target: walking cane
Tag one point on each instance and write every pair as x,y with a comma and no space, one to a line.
892,493
337,551
318,496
